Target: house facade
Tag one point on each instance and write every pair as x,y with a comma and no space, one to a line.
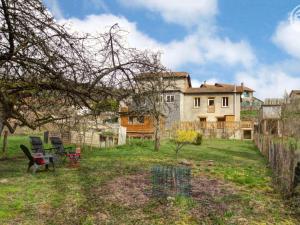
215,104
295,94
207,103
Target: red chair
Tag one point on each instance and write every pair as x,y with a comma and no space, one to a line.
38,161
74,156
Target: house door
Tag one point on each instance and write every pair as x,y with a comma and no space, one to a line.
202,122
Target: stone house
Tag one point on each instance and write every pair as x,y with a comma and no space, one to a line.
295,94
210,104
207,103
249,101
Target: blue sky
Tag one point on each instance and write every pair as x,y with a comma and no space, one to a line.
250,41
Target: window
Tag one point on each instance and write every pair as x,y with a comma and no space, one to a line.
225,102
136,120
211,101
246,94
196,102
170,98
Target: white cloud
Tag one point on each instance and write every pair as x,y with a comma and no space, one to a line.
268,82
98,24
193,49
228,52
55,8
197,83
188,12
287,37
178,53
202,45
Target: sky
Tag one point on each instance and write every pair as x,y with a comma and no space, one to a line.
256,42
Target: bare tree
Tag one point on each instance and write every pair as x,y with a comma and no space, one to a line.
150,97
44,67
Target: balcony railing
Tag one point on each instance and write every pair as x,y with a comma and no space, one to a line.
214,125
246,124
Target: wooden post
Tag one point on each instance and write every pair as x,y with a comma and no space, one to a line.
4,146
46,137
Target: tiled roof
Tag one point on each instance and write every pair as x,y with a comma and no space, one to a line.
295,92
217,88
167,75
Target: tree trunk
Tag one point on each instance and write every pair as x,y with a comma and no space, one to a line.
4,146
157,134
2,117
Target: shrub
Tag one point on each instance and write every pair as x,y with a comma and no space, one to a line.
198,139
183,137
107,134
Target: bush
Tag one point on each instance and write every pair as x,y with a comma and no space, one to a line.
184,137
107,134
198,139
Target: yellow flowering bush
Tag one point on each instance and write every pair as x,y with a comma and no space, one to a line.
183,137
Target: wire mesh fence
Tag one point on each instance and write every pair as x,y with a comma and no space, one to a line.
171,181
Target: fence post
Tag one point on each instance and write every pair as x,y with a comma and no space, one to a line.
46,137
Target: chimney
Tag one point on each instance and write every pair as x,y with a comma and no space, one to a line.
242,86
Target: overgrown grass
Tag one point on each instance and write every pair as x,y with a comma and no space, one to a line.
71,195
249,114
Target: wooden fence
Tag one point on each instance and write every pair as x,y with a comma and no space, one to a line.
283,159
222,129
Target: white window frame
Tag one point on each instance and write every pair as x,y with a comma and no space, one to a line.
224,101
208,100
197,102
170,98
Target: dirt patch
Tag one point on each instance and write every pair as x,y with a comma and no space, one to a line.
204,187
134,190
209,193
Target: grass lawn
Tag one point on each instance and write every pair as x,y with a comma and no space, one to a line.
231,185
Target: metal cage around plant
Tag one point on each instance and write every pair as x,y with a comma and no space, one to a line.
171,181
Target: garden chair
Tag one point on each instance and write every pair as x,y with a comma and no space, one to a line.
37,145
38,161
70,152
59,146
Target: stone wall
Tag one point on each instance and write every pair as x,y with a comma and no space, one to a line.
172,109
192,114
